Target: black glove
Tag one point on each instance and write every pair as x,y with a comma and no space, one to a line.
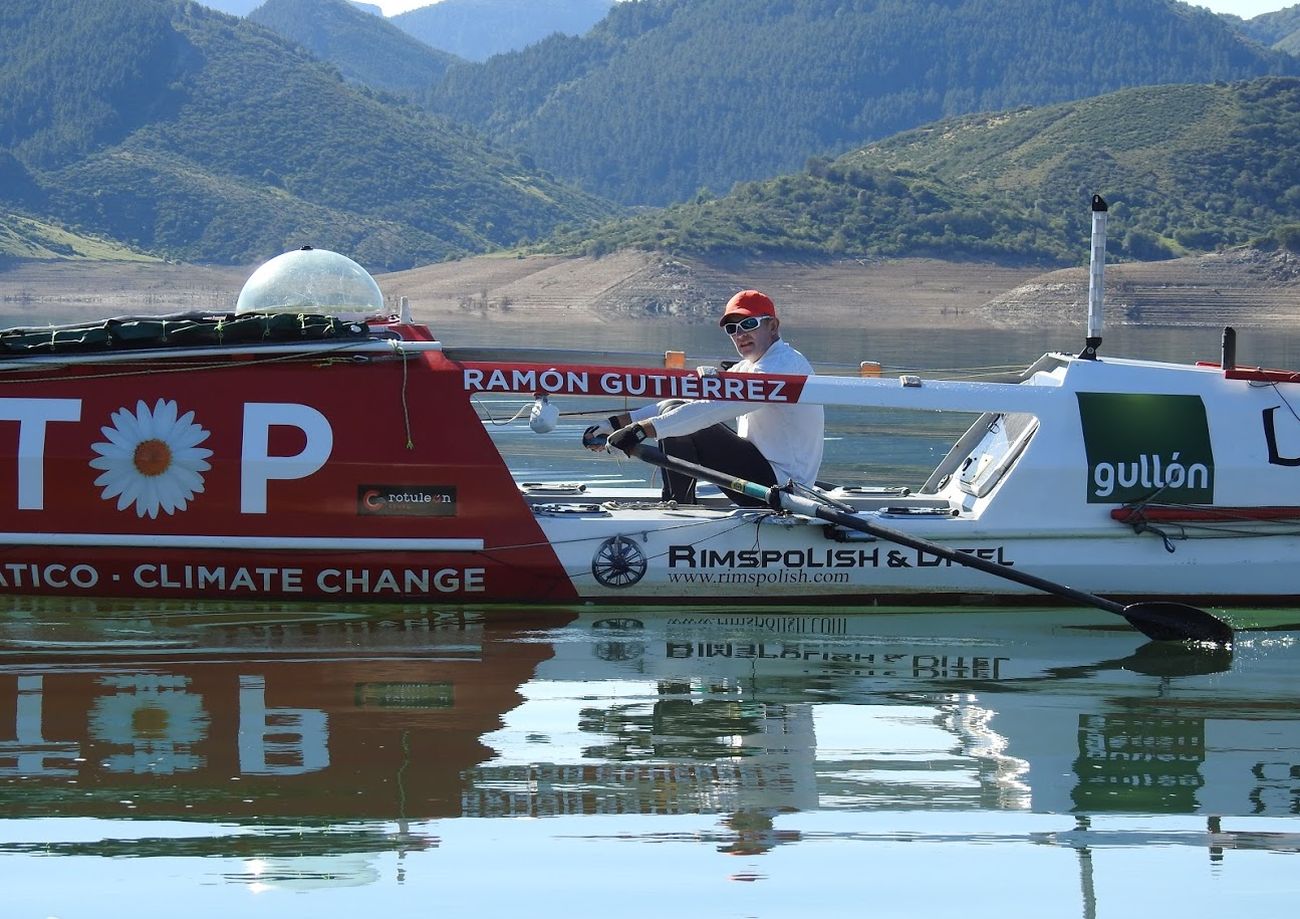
626,438
594,437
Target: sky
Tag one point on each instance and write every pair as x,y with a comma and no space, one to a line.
1246,9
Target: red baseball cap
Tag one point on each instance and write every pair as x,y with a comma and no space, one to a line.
748,303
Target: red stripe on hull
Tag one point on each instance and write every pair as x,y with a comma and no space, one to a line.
1168,514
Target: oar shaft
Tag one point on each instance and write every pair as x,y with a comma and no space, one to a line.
809,508
1161,620
593,411
782,500
812,508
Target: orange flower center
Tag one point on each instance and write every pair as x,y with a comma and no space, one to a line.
152,457
149,721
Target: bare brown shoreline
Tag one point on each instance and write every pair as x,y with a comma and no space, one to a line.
1245,288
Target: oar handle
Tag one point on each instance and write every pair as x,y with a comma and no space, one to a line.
656,457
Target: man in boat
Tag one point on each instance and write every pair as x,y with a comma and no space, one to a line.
772,444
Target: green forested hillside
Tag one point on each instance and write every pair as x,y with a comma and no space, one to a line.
77,75
832,212
182,131
366,49
665,97
478,29
26,238
1185,168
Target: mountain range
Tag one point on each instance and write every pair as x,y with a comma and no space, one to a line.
664,98
478,29
244,7
366,49
176,130
470,29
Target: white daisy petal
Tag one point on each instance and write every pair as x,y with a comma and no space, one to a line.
113,486
129,425
164,417
144,418
118,439
130,491
189,437
184,427
147,502
185,476
169,494
188,479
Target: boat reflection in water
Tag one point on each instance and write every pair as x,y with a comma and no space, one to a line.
305,747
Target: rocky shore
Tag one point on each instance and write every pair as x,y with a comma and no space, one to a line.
1242,287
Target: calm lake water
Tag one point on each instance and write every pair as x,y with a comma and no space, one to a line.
238,759
701,763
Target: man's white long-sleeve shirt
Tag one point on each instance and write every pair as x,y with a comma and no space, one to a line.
790,436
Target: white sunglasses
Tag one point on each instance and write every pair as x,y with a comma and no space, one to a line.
748,324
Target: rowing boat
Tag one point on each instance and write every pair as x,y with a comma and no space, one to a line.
312,444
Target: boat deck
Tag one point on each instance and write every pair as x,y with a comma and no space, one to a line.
859,498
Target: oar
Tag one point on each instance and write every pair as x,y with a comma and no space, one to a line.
1161,620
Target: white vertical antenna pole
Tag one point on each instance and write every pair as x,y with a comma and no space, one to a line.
1096,283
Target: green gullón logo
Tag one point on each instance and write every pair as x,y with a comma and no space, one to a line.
1147,446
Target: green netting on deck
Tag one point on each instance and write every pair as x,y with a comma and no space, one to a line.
182,330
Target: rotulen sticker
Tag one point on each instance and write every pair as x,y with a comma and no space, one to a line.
406,500
1144,446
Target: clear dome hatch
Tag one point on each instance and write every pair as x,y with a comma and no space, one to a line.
311,280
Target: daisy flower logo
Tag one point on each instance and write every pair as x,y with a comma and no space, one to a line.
152,459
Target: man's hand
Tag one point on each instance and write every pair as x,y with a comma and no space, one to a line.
594,437
626,438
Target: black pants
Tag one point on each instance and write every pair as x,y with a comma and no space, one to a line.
717,447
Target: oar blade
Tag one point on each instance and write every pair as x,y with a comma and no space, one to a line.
1164,620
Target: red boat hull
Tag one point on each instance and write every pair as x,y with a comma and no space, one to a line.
327,474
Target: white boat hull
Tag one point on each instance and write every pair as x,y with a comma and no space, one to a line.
758,556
